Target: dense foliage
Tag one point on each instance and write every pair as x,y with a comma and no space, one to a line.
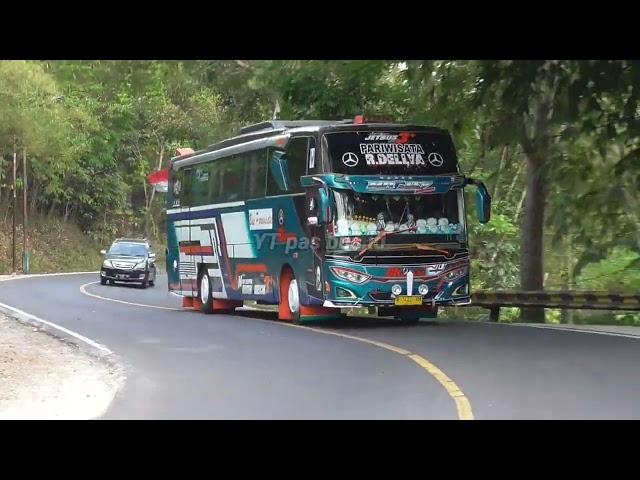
557,142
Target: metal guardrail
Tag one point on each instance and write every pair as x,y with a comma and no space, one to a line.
563,300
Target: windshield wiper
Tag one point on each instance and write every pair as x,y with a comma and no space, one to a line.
384,234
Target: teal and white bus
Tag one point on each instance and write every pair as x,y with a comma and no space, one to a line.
319,216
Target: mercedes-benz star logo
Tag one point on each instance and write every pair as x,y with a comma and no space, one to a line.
435,159
350,159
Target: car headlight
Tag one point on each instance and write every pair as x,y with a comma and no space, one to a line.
350,275
139,266
107,264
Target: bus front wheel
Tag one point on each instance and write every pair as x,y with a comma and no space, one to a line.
289,309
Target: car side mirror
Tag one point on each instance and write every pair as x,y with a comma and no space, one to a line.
152,256
103,252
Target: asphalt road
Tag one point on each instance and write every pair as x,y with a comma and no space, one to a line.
182,364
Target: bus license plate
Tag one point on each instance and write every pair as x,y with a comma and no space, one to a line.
402,300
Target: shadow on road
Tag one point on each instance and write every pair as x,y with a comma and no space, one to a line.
346,322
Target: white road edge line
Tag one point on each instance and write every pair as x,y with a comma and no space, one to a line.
36,275
85,292
564,329
12,311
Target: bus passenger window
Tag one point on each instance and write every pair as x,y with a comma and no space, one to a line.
256,169
200,190
297,161
187,187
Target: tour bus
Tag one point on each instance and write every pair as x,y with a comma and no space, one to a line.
322,216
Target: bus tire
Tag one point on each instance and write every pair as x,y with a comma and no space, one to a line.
289,308
204,292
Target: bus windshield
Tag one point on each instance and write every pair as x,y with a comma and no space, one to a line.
430,218
390,153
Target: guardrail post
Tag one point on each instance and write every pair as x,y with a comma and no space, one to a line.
494,314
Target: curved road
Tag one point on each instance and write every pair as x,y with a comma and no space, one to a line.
184,364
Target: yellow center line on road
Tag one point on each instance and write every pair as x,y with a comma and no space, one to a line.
463,405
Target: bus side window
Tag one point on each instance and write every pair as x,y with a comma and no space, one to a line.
175,189
200,190
272,186
233,179
187,188
297,161
255,167
213,184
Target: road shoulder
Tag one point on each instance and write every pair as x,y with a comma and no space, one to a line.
45,377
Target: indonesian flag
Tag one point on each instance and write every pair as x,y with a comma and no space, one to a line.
159,180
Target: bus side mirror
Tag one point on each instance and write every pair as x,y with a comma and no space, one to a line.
279,170
483,200
324,203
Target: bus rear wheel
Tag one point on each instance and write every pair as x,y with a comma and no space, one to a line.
204,292
289,309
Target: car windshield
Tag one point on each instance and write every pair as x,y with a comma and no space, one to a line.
128,249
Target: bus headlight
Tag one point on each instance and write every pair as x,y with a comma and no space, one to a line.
396,289
350,275
423,289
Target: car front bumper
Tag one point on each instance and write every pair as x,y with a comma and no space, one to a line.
123,275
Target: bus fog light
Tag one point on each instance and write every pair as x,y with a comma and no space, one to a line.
396,289
461,290
344,293
423,289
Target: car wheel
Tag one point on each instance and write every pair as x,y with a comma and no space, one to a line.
103,281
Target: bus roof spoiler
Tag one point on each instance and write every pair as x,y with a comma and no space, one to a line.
283,124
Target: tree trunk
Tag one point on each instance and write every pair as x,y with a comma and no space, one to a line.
519,207
34,196
531,268
509,196
501,166
153,193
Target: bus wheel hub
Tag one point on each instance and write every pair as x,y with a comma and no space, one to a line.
294,300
